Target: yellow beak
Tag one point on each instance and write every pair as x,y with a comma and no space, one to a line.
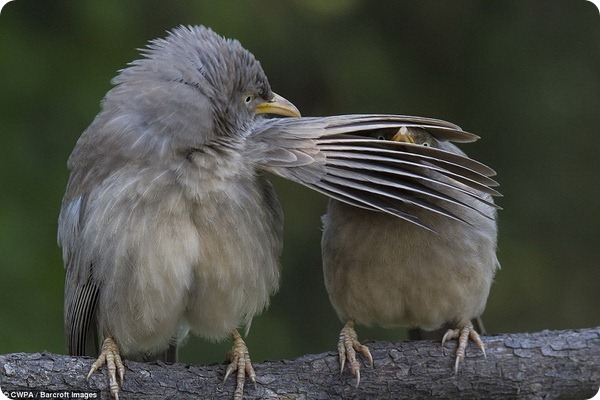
403,136
278,106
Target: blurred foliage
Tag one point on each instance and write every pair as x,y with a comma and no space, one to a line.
524,75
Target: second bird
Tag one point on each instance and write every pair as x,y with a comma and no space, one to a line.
392,272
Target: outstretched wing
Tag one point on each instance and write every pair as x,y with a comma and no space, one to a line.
340,157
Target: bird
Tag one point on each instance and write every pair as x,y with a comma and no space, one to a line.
168,225
391,272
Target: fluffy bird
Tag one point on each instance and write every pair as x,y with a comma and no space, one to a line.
167,225
391,272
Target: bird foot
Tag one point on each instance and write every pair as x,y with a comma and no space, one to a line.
111,357
348,345
239,360
463,334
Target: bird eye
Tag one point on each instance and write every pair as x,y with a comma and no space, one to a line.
380,137
248,99
429,142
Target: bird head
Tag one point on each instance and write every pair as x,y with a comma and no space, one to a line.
413,135
191,88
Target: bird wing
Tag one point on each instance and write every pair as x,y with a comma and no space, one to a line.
340,157
81,292
365,124
80,321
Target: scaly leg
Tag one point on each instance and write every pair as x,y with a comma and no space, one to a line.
239,360
348,345
110,356
463,334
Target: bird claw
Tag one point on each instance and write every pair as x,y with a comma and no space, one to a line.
111,357
348,346
239,360
463,334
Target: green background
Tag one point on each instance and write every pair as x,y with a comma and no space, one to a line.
524,75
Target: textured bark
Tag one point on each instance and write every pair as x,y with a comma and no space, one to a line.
542,365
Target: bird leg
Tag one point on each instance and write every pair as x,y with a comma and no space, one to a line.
239,360
463,334
348,345
110,356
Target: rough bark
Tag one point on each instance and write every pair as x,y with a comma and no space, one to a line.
542,365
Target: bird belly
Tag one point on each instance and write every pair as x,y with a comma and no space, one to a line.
154,249
238,269
181,265
422,295
385,276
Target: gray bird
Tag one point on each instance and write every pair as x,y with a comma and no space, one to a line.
391,272
167,225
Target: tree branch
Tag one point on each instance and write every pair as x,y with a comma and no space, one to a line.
547,364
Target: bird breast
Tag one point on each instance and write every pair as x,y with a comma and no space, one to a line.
177,256
384,271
